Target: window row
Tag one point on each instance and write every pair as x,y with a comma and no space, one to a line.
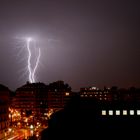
120,112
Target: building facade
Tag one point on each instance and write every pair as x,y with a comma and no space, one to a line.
94,92
4,111
59,94
31,99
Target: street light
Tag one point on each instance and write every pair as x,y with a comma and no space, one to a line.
10,116
31,126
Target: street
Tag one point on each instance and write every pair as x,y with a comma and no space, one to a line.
23,133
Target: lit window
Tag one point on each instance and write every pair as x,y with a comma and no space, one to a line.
93,88
82,95
103,112
117,112
124,112
131,112
67,93
110,112
138,112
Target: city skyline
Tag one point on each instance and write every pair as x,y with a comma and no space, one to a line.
84,43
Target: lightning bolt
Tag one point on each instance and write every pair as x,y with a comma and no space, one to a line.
36,65
32,70
29,59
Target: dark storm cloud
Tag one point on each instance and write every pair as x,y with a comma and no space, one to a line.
91,42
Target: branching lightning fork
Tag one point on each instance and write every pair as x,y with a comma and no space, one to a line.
32,70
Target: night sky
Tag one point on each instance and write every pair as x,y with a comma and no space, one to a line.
84,43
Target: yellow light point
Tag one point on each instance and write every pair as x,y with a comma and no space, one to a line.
11,110
18,114
67,93
37,135
26,120
31,126
10,129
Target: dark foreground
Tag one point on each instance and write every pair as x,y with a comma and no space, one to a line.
82,119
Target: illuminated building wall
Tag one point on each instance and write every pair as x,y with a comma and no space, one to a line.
58,95
111,94
93,92
39,97
31,96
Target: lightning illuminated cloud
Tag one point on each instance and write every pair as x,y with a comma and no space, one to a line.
30,69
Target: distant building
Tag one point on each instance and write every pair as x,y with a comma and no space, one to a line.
58,95
94,92
131,94
4,112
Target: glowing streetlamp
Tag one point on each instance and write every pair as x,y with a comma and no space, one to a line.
31,126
